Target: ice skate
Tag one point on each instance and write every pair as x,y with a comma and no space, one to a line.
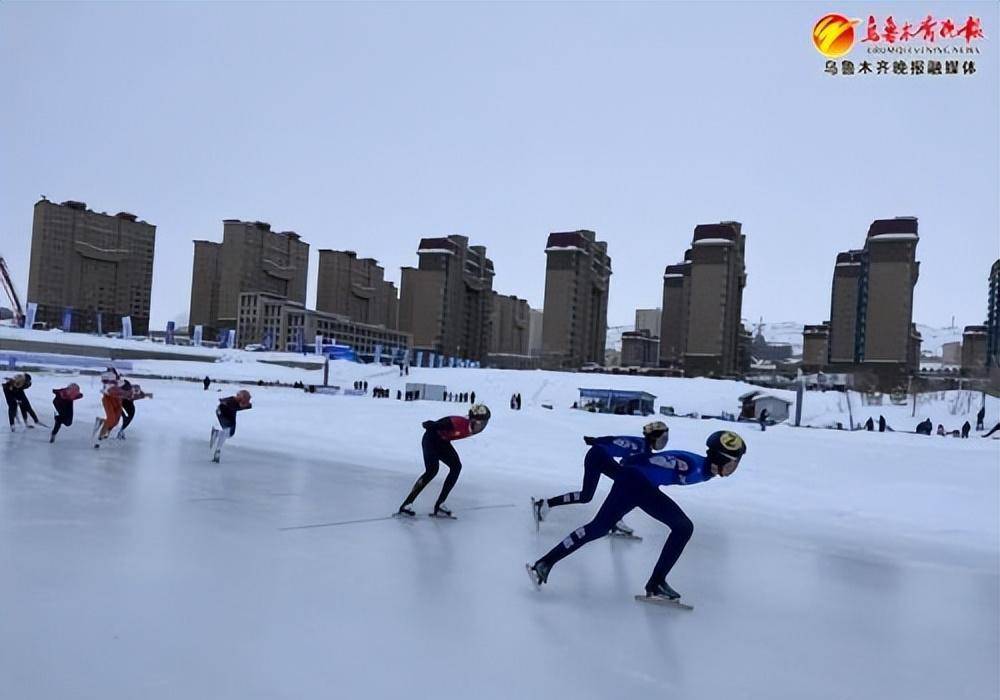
622,530
663,594
663,590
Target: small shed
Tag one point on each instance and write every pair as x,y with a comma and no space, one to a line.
753,402
626,403
426,392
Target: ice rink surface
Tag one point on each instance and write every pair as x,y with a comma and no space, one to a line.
830,566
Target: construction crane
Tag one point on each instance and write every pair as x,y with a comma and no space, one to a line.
8,288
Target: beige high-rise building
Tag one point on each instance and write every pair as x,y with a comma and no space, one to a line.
97,266
815,347
887,321
951,353
537,320
843,343
715,300
251,258
648,320
871,306
673,316
447,302
356,287
640,348
975,340
510,325
700,328
993,322
575,322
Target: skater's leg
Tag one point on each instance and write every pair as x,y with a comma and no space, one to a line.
26,409
619,502
454,464
11,405
112,412
430,447
596,462
128,411
64,416
661,507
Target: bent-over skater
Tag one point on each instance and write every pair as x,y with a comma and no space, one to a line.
437,448
600,459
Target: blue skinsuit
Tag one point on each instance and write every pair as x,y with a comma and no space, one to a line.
600,459
637,485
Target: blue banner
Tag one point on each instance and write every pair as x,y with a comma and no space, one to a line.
100,323
67,319
196,338
420,358
377,359
168,338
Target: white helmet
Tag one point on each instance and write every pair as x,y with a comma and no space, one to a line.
479,412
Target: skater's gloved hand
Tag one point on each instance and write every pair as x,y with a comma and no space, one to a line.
590,440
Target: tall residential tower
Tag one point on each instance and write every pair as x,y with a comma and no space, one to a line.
575,320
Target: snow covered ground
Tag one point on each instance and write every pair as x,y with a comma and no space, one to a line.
832,565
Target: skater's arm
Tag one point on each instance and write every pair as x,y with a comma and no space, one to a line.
618,446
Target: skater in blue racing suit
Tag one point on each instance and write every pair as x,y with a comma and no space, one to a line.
600,459
637,485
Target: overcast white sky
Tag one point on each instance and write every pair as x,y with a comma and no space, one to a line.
368,126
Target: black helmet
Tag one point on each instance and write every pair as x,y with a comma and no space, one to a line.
725,450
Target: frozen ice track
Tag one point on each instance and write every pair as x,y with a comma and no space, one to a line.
145,571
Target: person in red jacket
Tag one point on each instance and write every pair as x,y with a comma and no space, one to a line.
437,448
63,402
